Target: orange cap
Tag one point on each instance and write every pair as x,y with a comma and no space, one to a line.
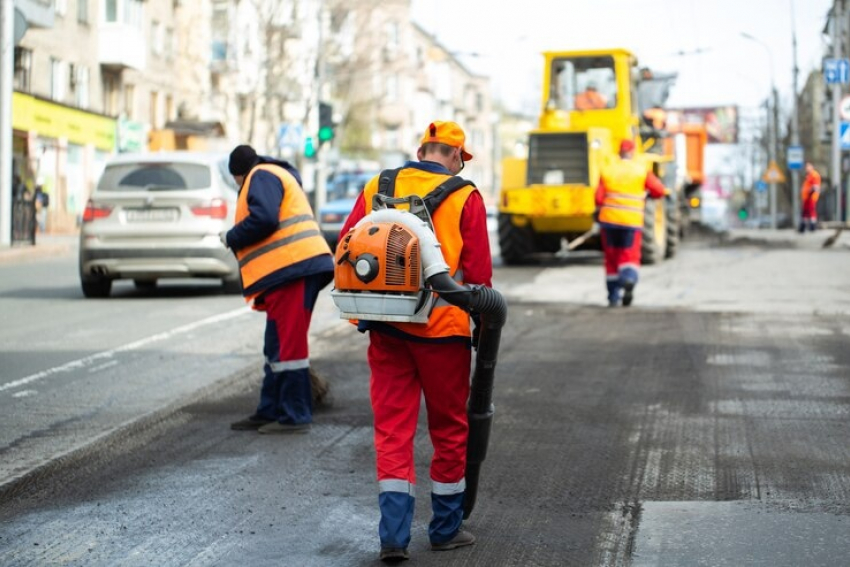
448,133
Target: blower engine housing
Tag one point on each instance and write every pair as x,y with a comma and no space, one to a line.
378,274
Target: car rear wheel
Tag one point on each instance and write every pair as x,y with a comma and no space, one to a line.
145,285
232,285
98,288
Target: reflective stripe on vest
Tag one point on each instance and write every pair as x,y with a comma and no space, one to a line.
625,194
296,239
446,320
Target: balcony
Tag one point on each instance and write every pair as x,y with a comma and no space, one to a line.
38,13
121,46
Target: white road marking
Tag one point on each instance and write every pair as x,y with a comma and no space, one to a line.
24,393
88,360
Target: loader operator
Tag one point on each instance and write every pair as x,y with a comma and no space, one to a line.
284,262
408,360
620,199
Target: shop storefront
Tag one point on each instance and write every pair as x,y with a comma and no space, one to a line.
63,149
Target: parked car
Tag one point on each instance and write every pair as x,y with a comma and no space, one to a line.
156,216
343,189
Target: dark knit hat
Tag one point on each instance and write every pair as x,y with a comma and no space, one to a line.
242,159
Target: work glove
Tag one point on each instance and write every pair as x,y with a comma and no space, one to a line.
223,237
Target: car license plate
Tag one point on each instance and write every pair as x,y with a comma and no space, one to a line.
152,215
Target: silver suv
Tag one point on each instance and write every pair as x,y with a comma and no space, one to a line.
159,215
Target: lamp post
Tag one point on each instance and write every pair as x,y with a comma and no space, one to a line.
773,125
795,123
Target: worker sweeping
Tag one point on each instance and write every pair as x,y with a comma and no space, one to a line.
620,200
431,358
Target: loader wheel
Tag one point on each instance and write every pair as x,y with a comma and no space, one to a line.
673,228
549,243
516,243
654,243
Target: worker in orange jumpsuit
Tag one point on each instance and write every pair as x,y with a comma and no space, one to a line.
409,360
620,201
590,99
809,194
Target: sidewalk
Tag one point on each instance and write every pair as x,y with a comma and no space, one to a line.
46,245
784,238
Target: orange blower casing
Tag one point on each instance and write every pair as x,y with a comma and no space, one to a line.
397,251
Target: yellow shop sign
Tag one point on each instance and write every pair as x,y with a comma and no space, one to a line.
53,120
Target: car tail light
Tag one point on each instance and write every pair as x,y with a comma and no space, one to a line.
94,212
217,209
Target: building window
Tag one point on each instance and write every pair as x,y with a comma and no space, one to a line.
60,7
130,101
58,80
111,89
170,44
156,37
169,108
79,75
124,11
23,69
110,12
392,88
154,110
83,11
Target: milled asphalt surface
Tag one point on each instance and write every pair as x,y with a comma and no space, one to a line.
702,426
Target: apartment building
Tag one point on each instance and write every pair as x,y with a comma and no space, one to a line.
107,76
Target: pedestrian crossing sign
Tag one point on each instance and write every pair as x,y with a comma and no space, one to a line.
773,174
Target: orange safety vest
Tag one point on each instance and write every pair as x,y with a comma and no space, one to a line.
812,180
296,239
446,320
625,194
590,100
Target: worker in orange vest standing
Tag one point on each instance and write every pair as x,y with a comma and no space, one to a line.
620,201
809,194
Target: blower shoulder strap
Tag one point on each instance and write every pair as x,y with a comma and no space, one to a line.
386,183
436,197
386,187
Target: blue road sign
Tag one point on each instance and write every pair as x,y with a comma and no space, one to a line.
795,157
836,71
844,135
761,186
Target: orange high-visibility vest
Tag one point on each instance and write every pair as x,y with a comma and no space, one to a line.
812,180
446,320
625,194
296,239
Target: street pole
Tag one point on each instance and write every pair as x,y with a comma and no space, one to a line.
773,126
7,61
795,124
774,150
321,152
837,15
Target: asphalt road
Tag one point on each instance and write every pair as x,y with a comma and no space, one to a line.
706,425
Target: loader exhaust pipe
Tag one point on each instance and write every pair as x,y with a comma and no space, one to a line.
491,306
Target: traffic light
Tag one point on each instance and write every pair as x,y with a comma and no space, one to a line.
743,213
326,122
309,147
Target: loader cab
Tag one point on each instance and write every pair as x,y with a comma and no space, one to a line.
589,89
